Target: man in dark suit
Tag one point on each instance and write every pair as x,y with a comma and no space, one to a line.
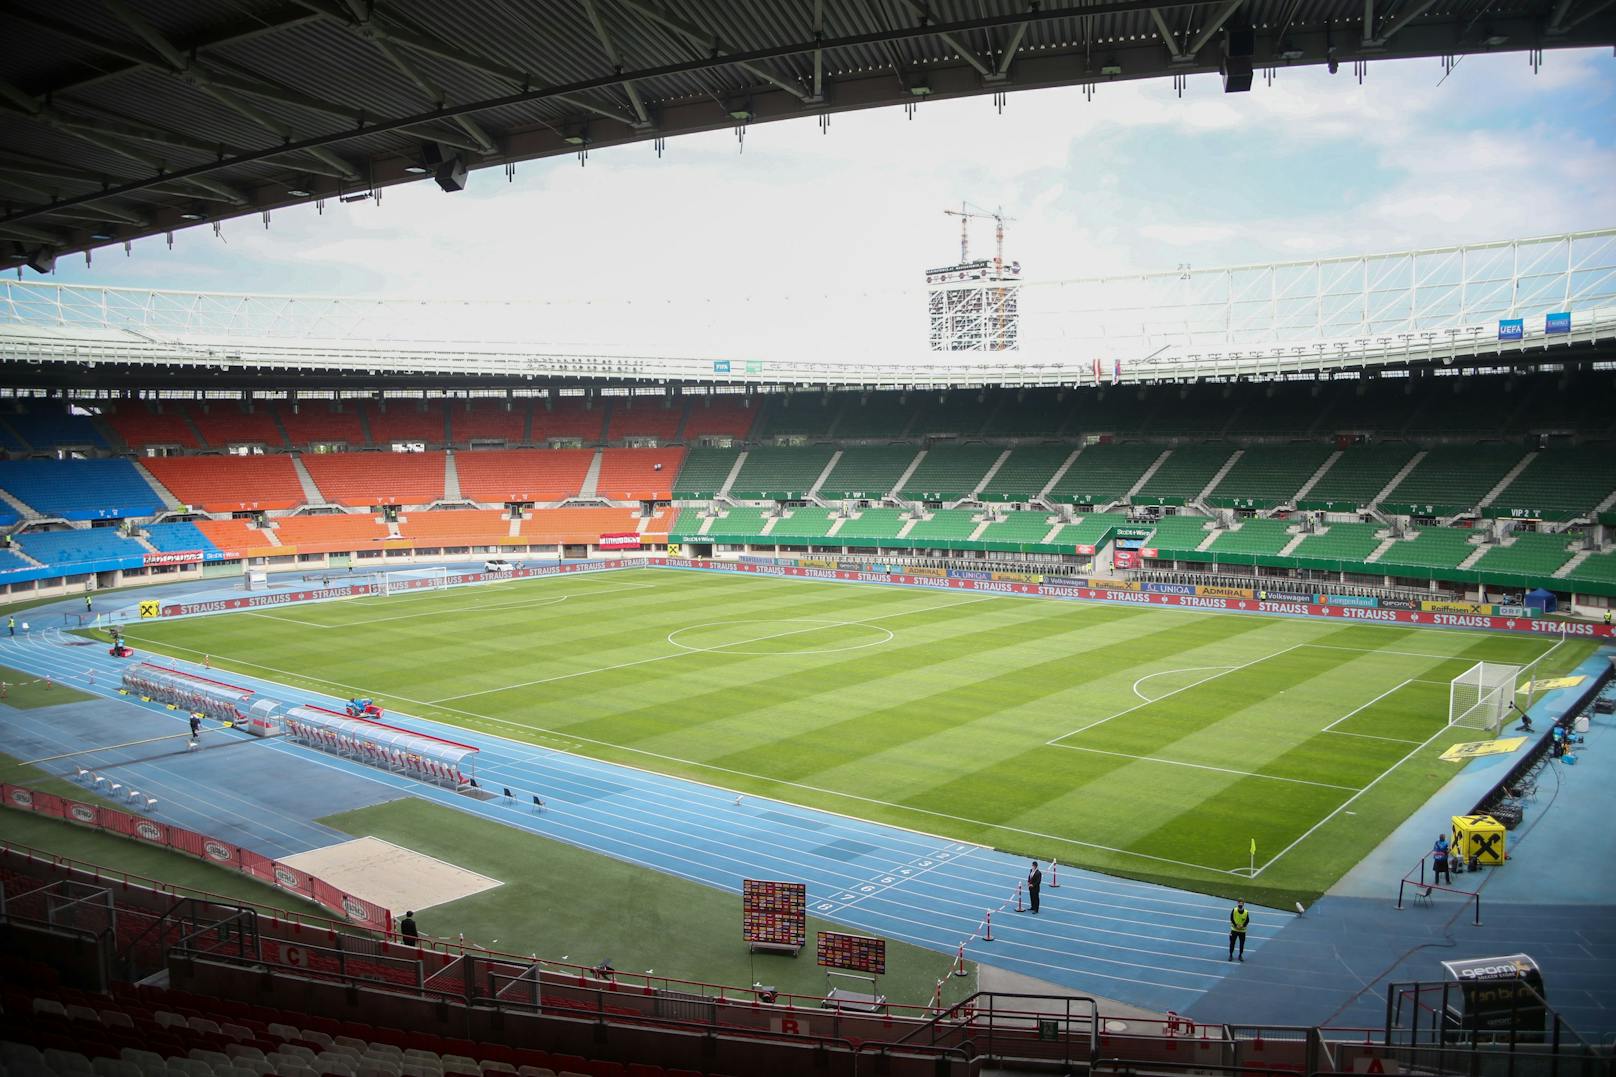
1035,879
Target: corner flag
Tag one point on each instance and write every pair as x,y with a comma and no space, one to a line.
1253,846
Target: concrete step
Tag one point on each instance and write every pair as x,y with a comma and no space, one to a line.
591,486
451,478
830,465
311,492
1222,471
982,483
1402,474
1509,477
1149,471
903,479
729,480
1060,472
169,500
1324,468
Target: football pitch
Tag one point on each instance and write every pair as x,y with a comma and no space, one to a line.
1144,741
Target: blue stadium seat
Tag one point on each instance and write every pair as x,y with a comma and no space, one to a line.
11,561
80,489
96,548
180,537
47,426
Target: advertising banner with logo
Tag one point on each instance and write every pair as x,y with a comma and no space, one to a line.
1286,596
969,574
1560,322
76,811
1150,553
1399,604
1483,609
937,572
1170,588
1349,600
1084,549
171,557
627,540
1115,585
1125,558
1018,577
816,562
1135,532
1224,592
1511,328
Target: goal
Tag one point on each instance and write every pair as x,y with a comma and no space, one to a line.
1480,697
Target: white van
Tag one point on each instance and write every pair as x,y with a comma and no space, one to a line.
498,564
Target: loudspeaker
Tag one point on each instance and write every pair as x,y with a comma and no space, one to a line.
1236,72
451,174
42,260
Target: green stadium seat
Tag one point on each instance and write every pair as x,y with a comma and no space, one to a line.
1452,479
944,530
1358,476
1026,472
1254,537
1340,542
1184,474
810,523
867,471
1268,475
872,527
879,415
807,414
1104,473
1597,572
1528,554
950,472
703,473
1560,484
1092,530
1178,536
1017,529
784,474
1432,548
959,413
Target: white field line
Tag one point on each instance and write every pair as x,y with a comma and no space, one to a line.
695,650
1055,741
105,748
1394,688
550,600
1163,673
1204,766
1342,806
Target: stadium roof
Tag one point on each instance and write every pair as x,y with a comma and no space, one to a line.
127,118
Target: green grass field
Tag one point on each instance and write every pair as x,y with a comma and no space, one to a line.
1149,742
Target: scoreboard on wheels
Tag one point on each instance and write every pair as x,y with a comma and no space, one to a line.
774,915
856,953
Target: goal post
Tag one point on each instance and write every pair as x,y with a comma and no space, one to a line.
1480,697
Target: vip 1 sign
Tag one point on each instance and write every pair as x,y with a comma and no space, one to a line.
1557,323
1511,329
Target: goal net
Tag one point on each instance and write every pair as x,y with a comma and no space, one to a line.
1480,697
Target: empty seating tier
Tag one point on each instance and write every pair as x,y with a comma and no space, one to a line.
1452,479
1092,530
645,417
81,549
1560,484
805,524
80,489
741,525
568,418
638,474
1268,475
488,420
1036,415
945,527
456,527
704,473
1528,554
1104,473
1183,475
578,527
1017,529
867,471
1253,537
139,426
330,533
1432,548
312,422
784,474
46,426
378,478
1598,570
1348,542
1357,476
959,413
877,415
224,423
950,472
719,416
1178,536
230,483
1025,473
523,474
406,421
872,527
180,537
808,414
234,538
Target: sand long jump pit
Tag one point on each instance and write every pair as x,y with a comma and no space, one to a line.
389,875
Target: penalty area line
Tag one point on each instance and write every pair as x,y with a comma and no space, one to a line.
1207,766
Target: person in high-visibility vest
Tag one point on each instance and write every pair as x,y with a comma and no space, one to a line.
1238,919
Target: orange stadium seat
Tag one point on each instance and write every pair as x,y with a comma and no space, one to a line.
230,483
578,526
326,534
635,474
645,417
224,423
405,421
139,426
568,418
456,527
720,416
488,420
523,474
233,537
315,421
378,478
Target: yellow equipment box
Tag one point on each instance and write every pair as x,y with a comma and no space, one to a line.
1479,838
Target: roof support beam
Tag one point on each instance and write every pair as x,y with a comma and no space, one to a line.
1169,38
711,42
819,54
612,58
1369,20
35,234
1013,46
966,54
1219,17
1402,19
1583,16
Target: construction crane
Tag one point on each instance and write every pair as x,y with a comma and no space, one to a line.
966,213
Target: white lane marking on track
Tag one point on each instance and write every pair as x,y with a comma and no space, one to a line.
1165,672
681,654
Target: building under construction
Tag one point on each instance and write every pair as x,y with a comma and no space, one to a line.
973,305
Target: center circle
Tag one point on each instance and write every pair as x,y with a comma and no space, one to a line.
778,636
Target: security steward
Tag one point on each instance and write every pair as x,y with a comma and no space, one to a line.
1238,919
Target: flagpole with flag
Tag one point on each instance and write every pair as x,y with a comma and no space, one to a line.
1253,870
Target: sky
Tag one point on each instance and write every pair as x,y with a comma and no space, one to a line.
725,243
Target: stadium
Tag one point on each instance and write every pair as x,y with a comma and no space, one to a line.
993,671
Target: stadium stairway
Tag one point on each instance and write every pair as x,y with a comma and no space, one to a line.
591,483
170,502
311,492
451,477
1314,479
